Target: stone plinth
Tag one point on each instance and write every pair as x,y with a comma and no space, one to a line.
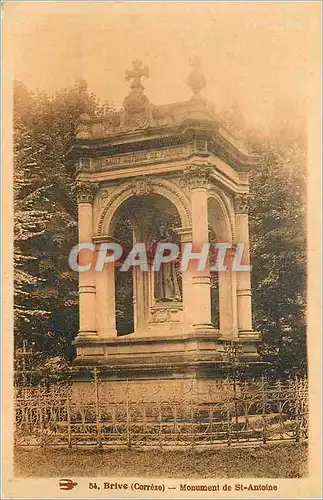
162,381
130,352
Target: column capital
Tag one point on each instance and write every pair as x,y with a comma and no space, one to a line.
197,176
242,203
86,191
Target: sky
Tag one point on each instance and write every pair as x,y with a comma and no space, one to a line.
260,54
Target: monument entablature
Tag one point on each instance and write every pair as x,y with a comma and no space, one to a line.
172,174
183,140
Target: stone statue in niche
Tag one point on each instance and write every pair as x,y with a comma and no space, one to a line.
167,287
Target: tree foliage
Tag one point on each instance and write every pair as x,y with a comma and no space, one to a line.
277,223
45,215
278,249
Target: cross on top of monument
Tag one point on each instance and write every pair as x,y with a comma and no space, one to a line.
136,73
196,80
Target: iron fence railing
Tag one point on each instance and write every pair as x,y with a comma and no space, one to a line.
228,412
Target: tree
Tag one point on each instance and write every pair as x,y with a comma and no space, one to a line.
30,220
278,235
46,215
278,249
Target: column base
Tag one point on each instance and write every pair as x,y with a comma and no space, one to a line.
249,341
242,349
249,335
205,327
87,334
107,334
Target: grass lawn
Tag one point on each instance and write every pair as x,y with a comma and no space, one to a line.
286,460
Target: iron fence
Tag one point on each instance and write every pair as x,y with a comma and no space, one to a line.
227,413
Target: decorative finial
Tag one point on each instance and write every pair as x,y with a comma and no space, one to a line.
196,80
137,72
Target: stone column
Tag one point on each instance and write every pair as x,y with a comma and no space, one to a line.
140,300
227,299
197,178
105,301
87,323
185,234
243,277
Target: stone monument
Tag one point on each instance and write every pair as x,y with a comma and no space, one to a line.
156,164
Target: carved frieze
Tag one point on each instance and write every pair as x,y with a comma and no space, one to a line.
86,191
161,316
138,113
166,313
242,203
145,156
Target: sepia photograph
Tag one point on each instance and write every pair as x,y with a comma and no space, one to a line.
161,249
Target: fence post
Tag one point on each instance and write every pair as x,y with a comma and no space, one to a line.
229,424
160,432
192,425
97,407
128,422
68,411
297,404
41,423
235,398
304,427
263,386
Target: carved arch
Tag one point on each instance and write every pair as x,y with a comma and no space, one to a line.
159,186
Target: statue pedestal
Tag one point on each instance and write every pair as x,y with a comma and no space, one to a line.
166,318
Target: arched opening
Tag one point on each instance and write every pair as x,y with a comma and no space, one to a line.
124,310
146,219
223,295
214,281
